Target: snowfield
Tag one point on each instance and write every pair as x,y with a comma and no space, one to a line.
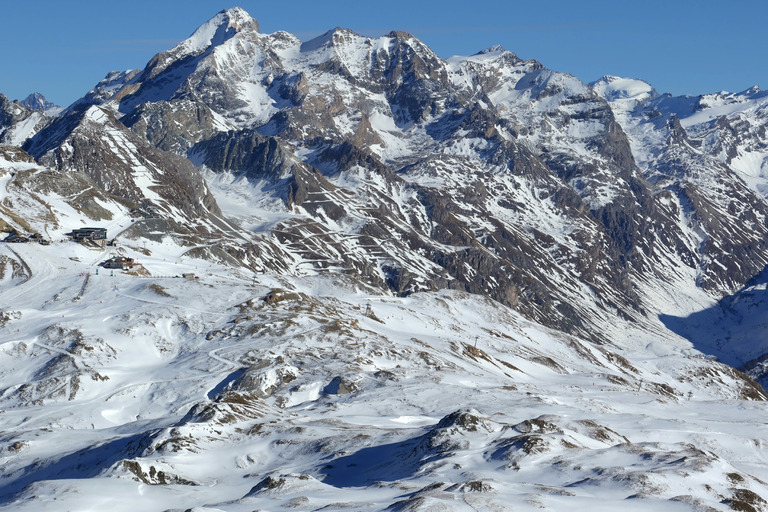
268,392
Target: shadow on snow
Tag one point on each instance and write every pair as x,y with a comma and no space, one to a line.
86,463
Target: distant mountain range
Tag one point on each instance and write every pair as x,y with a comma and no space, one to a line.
485,173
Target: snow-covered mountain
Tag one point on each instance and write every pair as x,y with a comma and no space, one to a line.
37,101
19,122
424,284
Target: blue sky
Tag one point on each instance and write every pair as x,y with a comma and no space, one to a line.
63,48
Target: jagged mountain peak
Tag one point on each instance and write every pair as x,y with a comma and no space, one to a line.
703,109
724,98
507,64
323,40
495,49
401,35
236,15
546,83
344,39
37,101
212,34
405,38
218,29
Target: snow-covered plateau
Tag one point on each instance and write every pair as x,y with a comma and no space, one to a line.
240,391
357,276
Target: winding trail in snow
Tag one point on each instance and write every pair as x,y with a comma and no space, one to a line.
77,359
20,288
213,355
173,305
23,264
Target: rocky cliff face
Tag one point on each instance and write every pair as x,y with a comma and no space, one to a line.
688,149
92,141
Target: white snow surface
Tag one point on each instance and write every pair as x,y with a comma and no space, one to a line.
614,88
443,398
